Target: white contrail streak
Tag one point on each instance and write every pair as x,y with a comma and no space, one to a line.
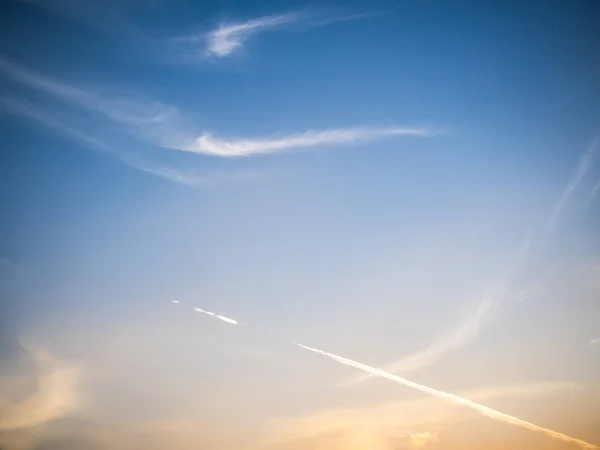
212,314
228,320
481,409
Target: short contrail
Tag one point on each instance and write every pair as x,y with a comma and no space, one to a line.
212,314
481,409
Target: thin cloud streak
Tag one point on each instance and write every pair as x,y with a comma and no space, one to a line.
206,179
595,341
595,191
206,144
465,333
133,161
583,164
347,18
160,123
151,120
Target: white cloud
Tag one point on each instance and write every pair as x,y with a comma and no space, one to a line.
205,178
162,124
206,144
228,38
595,341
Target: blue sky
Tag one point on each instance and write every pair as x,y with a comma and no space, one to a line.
411,184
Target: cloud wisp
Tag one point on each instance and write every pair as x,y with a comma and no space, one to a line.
228,38
595,341
55,396
161,124
583,165
134,161
208,145
459,337
150,120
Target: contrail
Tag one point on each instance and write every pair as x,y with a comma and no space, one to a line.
481,409
212,314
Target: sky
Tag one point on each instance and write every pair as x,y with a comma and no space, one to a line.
410,189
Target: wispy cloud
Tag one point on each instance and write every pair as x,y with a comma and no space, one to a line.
583,164
228,38
595,341
148,119
134,161
207,144
161,124
55,395
459,337
346,18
